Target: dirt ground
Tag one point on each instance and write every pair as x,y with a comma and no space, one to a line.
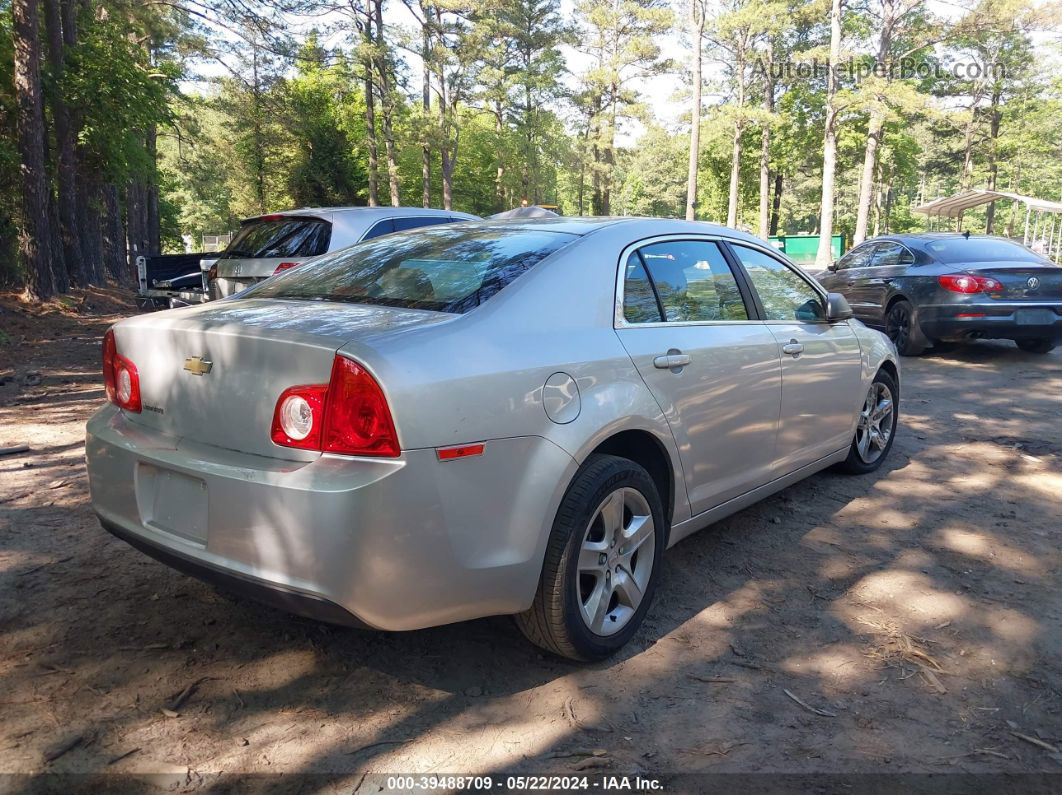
908,621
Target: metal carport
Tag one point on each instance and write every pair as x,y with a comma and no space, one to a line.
1040,229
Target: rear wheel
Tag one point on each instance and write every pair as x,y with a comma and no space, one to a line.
901,324
603,554
1036,346
876,427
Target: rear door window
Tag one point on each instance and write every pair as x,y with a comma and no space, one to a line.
692,280
416,221
889,254
385,227
442,268
280,236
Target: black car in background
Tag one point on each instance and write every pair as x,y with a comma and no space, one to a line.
947,287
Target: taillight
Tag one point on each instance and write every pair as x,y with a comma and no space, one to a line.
349,415
299,417
212,274
968,283
120,378
286,266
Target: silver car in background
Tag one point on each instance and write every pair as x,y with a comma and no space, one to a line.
483,418
272,243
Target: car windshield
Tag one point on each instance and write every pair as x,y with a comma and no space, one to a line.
441,268
979,249
279,236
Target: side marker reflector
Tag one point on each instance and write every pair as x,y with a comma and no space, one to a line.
463,451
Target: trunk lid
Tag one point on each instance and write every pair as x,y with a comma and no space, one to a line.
1025,282
255,349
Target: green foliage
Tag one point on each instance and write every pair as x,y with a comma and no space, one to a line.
324,170
120,93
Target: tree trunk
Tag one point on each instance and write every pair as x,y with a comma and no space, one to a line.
386,103
447,178
530,183
370,121
824,255
447,127
888,209
137,226
113,237
697,32
866,181
874,129
425,150
257,133
993,162
151,198
735,163
966,177
776,204
499,173
66,152
610,154
92,225
765,147
33,249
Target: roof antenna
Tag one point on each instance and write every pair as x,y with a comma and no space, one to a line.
966,234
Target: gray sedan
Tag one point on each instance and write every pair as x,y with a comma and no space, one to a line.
483,418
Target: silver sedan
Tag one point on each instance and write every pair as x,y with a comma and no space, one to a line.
483,418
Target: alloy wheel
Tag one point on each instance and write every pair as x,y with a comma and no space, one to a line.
615,561
898,326
876,421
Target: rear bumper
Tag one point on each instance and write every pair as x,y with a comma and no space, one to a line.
272,594
991,320
392,544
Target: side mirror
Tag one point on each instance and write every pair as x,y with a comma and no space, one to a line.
837,307
832,266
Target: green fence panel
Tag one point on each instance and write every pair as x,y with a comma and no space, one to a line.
802,248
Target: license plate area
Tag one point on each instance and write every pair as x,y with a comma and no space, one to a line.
172,502
1034,317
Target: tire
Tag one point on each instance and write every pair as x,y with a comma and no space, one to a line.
1035,346
572,576
865,456
901,326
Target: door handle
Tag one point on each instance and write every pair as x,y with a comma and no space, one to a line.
793,348
671,360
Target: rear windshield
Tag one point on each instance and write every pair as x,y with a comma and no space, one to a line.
283,236
974,249
442,268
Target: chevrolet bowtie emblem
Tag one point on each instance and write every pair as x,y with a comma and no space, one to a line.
197,365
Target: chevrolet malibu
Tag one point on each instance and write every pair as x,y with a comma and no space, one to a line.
513,417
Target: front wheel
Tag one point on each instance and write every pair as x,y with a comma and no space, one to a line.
1035,346
901,325
602,558
876,428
